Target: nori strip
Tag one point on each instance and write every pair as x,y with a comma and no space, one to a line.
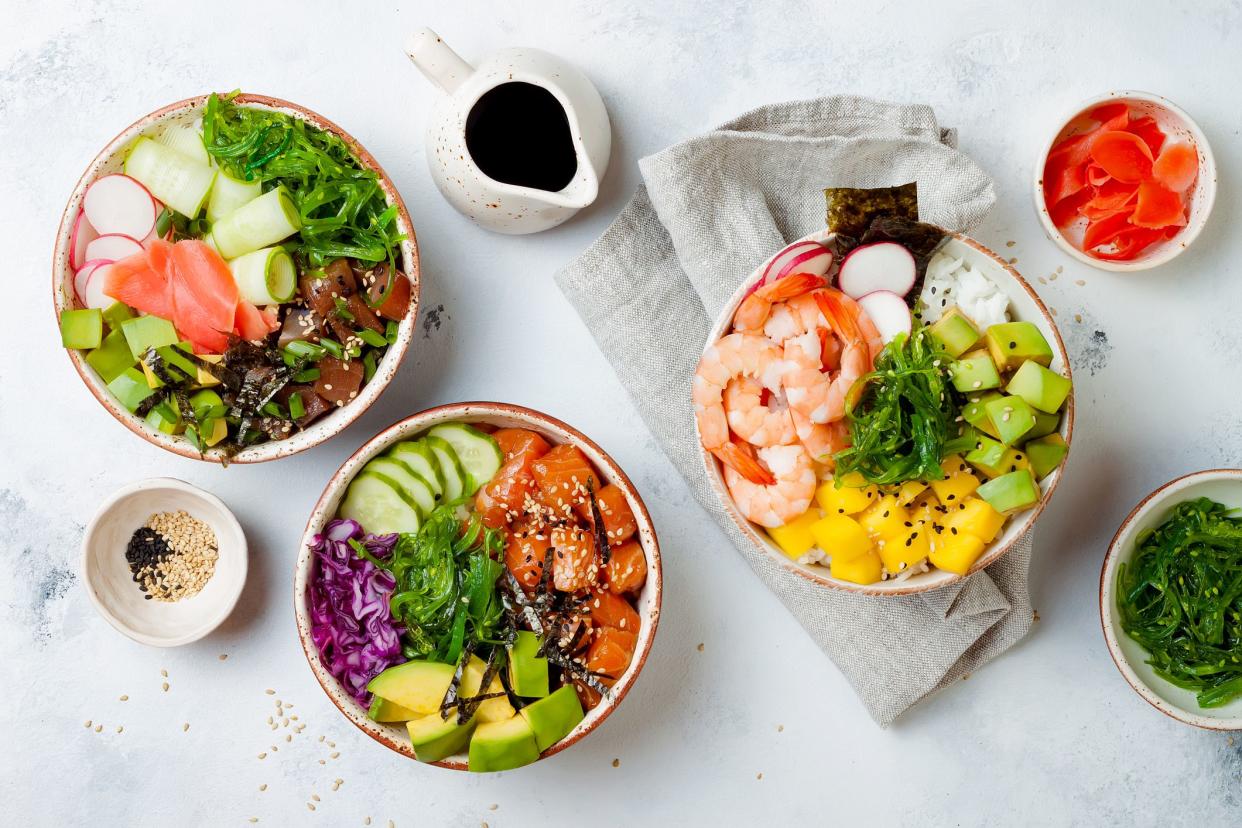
144,407
602,547
170,375
450,695
579,672
920,238
469,706
228,378
852,209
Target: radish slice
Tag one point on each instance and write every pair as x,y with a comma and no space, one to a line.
879,266
95,297
81,279
118,204
82,235
113,246
799,257
888,312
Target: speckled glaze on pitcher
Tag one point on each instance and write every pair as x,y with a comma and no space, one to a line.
495,205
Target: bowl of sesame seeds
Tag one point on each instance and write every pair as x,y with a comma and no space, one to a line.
164,562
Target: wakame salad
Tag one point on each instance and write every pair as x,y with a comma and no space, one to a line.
478,585
239,279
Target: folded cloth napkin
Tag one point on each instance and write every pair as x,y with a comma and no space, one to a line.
711,210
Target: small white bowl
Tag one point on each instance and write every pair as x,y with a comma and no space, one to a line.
1221,485
1176,124
111,586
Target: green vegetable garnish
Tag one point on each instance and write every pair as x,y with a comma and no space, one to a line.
903,414
344,211
1180,597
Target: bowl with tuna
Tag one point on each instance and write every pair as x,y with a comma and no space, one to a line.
478,587
236,278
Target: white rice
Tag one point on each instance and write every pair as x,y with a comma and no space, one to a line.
952,281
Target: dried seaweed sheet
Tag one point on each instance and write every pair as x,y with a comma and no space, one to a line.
852,209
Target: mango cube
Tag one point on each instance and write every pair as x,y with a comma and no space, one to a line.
957,553
862,570
900,552
910,491
852,497
841,537
959,482
795,538
884,518
973,517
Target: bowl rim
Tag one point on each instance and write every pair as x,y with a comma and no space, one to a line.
462,412
1108,568
101,513
994,551
323,430
1206,183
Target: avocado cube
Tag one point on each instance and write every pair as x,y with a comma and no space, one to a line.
130,388
955,333
1011,492
415,685
1011,417
165,417
207,405
1044,389
152,379
1045,423
213,430
975,371
143,332
116,313
987,454
382,710
554,717
112,357
975,411
1010,343
434,738
528,671
1011,459
175,356
1046,453
81,328
503,745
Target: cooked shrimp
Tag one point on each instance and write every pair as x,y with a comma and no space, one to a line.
754,310
818,396
821,441
734,356
787,497
757,422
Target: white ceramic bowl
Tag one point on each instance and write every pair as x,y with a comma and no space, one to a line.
501,415
1024,304
1178,126
110,160
110,584
1221,485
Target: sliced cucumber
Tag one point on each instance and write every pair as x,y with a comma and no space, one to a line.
450,467
374,502
186,140
422,462
266,220
178,181
266,276
415,489
229,194
479,453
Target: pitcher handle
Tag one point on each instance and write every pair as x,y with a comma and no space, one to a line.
436,60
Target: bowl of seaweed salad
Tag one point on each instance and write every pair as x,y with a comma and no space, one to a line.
348,213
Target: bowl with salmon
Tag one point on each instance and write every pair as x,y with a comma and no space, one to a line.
236,279
478,586
884,407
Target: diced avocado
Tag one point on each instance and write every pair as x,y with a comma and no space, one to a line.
382,710
1010,343
553,718
1011,492
1011,459
1044,389
975,412
116,313
1046,453
81,328
955,332
112,357
205,378
987,454
528,672
415,685
165,417
975,371
434,738
503,745
152,379
492,710
173,355
143,332
207,405
1044,424
1011,417
214,430
130,388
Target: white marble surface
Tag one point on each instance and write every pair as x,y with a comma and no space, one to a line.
757,727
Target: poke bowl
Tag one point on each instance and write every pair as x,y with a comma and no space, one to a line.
884,407
1126,182
1168,599
235,277
510,581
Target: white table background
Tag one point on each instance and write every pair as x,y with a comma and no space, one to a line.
1048,734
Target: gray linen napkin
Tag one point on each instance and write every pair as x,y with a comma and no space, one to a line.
712,209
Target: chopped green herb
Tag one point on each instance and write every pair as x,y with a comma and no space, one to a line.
391,331
297,410
372,338
332,347
368,366
302,349
308,375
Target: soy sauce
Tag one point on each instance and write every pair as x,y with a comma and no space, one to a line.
518,133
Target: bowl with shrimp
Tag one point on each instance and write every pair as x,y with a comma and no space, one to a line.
816,395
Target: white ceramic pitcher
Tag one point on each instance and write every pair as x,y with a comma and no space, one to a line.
508,208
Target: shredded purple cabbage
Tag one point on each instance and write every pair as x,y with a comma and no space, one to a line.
351,624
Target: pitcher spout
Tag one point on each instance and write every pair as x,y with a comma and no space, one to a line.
580,192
